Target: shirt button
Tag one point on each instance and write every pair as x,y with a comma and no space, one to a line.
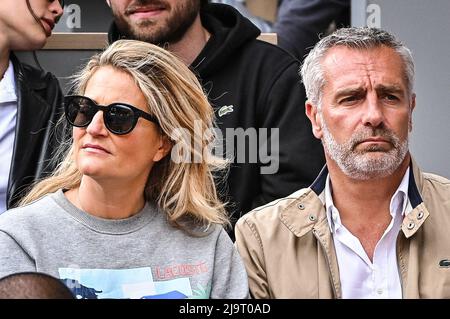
379,291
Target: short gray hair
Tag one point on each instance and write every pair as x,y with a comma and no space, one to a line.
355,38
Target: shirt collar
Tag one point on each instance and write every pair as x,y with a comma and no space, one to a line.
8,86
398,205
399,200
334,220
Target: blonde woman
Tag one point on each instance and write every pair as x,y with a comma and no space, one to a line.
121,218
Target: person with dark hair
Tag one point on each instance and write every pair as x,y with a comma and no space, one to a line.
33,285
372,225
299,24
253,86
30,99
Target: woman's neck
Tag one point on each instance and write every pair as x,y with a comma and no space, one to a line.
105,200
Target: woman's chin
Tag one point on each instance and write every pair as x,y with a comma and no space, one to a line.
92,171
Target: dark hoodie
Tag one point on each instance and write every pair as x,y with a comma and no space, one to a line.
252,85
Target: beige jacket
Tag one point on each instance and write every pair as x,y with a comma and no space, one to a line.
289,253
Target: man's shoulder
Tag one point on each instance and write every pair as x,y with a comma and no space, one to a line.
436,189
269,215
262,63
265,51
436,179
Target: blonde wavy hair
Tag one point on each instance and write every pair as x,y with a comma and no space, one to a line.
176,98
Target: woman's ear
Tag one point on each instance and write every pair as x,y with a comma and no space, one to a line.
165,145
312,113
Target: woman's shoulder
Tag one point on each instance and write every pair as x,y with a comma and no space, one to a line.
186,228
214,234
29,214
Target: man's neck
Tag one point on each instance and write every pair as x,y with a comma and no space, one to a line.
192,43
364,205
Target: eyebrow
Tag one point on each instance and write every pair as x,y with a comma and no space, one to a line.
349,91
379,88
390,89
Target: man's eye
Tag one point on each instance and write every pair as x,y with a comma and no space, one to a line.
391,97
349,99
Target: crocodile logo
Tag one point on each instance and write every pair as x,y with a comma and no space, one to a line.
225,110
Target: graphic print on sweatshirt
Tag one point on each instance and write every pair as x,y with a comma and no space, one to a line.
135,283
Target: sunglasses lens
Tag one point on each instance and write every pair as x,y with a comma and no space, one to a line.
79,111
119,119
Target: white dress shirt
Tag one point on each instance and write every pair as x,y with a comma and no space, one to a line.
360,277
8,116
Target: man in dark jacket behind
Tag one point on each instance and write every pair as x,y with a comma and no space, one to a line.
252,85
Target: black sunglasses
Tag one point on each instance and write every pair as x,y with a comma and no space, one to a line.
119,118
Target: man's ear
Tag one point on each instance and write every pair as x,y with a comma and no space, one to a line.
108,2
165,145
411,109
312,113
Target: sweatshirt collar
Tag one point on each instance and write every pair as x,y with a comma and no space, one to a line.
107,226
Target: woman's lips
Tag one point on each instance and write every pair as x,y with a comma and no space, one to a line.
95,148
48,26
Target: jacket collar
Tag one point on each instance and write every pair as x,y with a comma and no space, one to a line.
34,80
33,114
308,210
415,187
414,220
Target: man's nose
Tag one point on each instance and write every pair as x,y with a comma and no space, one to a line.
373,111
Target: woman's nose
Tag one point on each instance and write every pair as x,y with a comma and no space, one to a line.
97,125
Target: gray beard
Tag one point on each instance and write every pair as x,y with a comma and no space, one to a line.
359,164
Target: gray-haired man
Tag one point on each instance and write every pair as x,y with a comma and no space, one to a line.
372,225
